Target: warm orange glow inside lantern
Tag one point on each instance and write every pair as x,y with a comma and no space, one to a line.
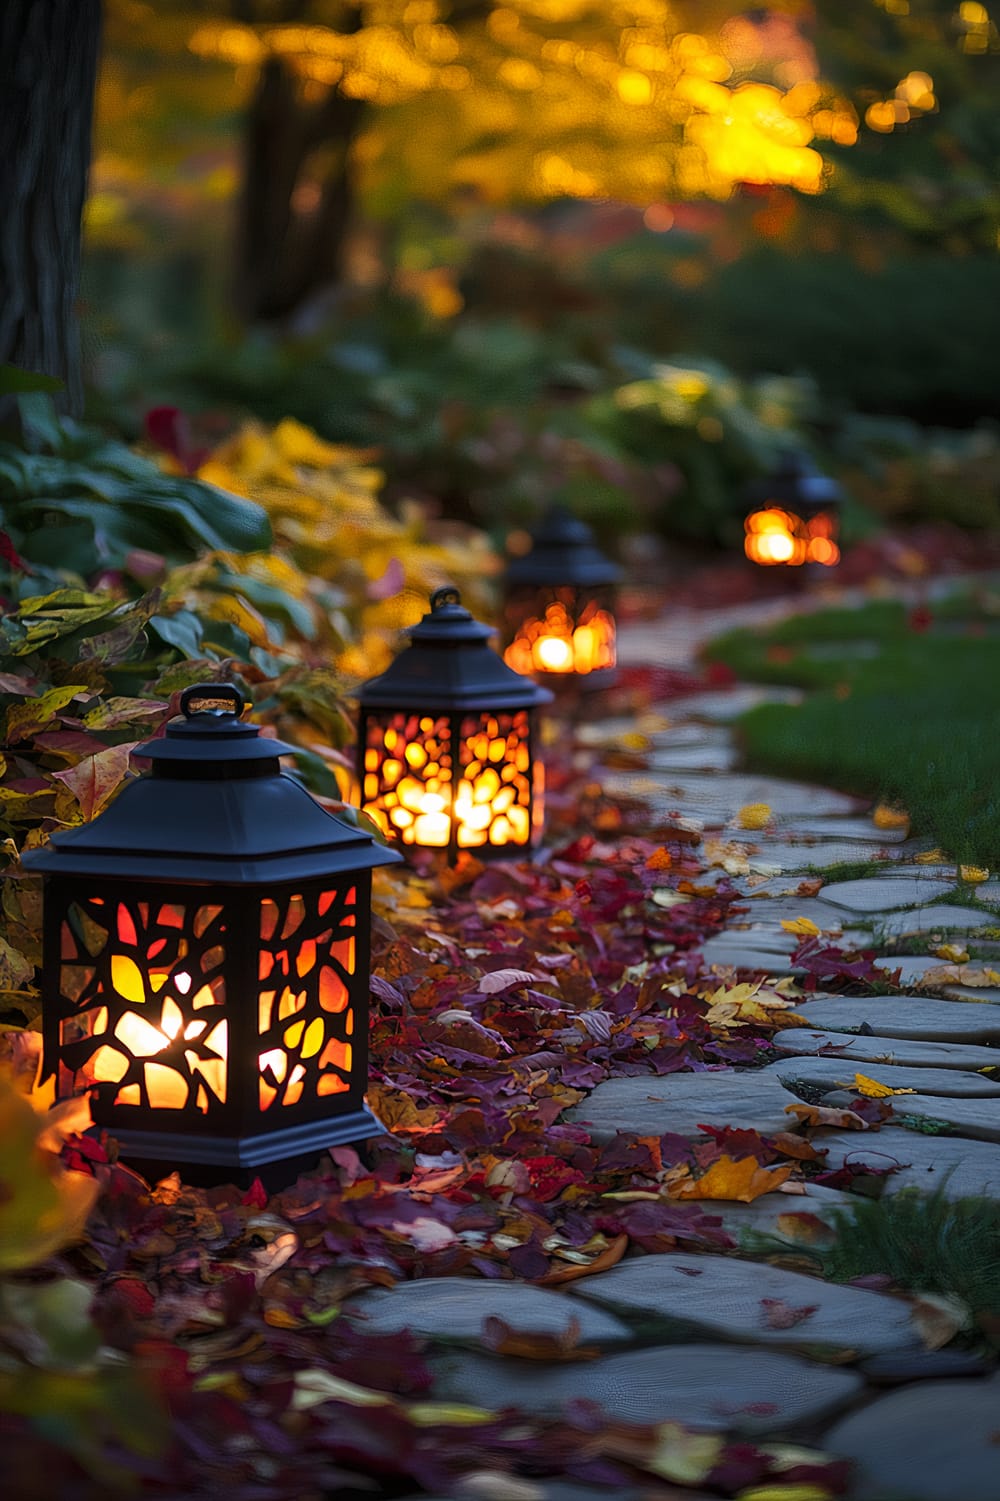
559,605
792,519
446,746
210,993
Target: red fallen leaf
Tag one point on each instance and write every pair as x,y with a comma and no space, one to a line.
135,1295
720,675
96,778
781,1315
255,1196
920,619
9,554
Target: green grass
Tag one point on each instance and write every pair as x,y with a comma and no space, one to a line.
914,721
923,1242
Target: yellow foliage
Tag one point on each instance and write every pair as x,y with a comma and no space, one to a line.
44,1207
329,525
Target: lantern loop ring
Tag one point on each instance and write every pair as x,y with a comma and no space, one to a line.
213,698
447,595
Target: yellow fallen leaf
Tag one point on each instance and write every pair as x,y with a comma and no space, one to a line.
450,1414
873,1090
748,1002
634,741
885,817
802,925
932,857
939,1317
682,1456
953,952
754,816
741,1179
973,874
786,1493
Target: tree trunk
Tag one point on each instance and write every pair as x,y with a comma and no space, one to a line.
48,67
293,222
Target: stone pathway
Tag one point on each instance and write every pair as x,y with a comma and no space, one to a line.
728,1344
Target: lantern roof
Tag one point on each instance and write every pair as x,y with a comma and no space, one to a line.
795,483
450,666
563,553
216,808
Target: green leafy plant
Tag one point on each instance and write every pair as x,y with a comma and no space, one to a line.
76,504
924,1242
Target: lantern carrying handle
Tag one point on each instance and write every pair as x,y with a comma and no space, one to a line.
446,595
214,698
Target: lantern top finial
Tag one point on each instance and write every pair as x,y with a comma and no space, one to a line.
563,552
796,483
217,808
449,664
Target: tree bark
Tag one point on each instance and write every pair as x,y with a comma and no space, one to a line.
285,252
48,68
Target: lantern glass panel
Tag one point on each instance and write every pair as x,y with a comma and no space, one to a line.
306,963
407,776
493,797
561,631
143,986
438,782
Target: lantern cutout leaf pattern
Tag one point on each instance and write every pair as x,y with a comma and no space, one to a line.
447,742
206,952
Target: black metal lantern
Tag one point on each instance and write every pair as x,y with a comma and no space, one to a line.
559,605
792,516
447,742
206,951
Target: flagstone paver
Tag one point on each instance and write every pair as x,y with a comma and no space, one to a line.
728,704
873,1049
803,829
455,1307
919,1017
984,994
911,968
721,1387
775,910
973,1119
831,1073
683,1103
694,757
939,1441
752,1301
958,1168
778,1214
724,952
884,893
934,919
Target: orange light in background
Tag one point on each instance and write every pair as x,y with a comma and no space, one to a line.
776,536
557,644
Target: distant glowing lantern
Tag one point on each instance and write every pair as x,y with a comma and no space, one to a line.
559,606
447,742
205,972
792,516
